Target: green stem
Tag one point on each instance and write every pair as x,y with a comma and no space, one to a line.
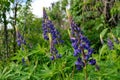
63,74
85,62
85,71
5,33
73,72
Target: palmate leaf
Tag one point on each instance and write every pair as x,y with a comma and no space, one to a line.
25,53
46,73
55,70
6,72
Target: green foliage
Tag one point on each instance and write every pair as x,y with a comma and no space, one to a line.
89,15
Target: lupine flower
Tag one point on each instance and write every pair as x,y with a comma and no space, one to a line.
48,28
79,64
23,61
20,39
81,46
110,44
92,61
52,57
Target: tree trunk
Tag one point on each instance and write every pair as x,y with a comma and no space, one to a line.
108,4
14,34
5,33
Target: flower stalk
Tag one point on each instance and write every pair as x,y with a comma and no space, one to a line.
50,33
81,47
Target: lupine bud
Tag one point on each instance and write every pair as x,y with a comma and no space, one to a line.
52,57
97,67
110,44
23,61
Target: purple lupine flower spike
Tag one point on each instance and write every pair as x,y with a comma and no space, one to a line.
20,40
81,46
48,27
